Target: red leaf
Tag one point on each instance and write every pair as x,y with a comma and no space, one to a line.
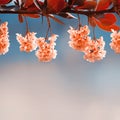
20,18
66,15
88,5
108,19
106,27
55,19
27,3
76,2
32,8
55,5
32,15
92,21
3,2
103,4
116,2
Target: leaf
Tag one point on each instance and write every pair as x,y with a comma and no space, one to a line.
88,5
55,19
106,27
3,2
31,15
27,3
103,4
55,5
32,8
66,15
107,19
79,2
20,18
38,4
116,2
76,2
92,21
71,2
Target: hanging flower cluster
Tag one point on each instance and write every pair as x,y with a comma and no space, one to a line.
115,44
93,49
4,38
79,38
27,43
30,42
46,51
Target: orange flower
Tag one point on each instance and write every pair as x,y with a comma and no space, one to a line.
79,38
4,41
46,51
95,50
115,44
27,43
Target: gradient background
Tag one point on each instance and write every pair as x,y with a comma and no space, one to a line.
68,88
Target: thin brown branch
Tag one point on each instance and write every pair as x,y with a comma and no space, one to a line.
92,12
88,13
19,12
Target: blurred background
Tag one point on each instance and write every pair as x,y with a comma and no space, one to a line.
68,88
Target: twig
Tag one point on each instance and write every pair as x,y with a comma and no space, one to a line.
88,13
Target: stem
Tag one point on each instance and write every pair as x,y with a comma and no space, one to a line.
94,37
49,27
79,24
27,27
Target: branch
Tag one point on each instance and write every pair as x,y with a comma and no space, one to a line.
87,13
19,12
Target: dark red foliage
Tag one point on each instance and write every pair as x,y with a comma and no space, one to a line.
3,2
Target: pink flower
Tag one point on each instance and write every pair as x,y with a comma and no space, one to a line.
115,44
95,51
27,43
79,38
4,41
46,51
84,30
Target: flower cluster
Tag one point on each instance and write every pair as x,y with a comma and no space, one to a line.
115,41
46,51
79,38
27,43
93,49
4,38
